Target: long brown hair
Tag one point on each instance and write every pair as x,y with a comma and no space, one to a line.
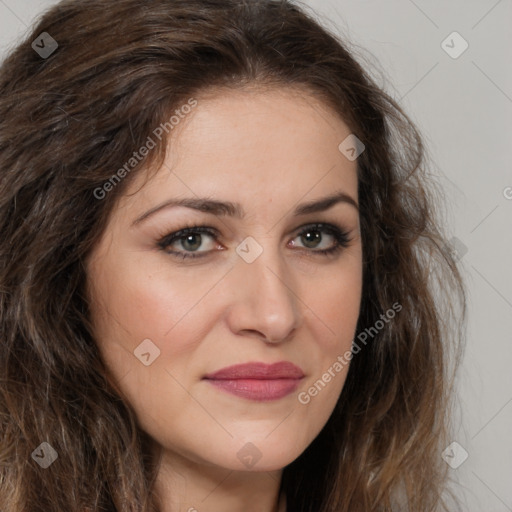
70,116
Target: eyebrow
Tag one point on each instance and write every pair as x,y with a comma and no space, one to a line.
223,208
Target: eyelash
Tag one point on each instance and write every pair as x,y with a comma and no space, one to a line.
341,238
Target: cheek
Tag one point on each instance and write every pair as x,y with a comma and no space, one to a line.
336,305
335,310
147,328
138,300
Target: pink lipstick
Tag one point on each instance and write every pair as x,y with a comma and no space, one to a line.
258,381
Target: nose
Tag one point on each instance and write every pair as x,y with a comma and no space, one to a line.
263,301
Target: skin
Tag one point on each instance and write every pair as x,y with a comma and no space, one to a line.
268,150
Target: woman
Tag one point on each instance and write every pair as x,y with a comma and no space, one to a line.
223,282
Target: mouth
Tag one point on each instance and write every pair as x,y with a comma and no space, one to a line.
259,382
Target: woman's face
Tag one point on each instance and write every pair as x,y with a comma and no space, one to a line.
249,286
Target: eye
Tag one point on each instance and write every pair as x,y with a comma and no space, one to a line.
312,238
187,242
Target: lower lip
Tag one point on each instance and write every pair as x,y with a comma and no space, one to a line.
260,390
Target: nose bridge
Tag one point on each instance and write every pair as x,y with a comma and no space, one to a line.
265,301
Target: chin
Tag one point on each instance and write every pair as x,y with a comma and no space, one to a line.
262,455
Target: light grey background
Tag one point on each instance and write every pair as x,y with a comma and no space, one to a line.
463,108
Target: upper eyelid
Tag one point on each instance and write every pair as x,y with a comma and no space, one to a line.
327,226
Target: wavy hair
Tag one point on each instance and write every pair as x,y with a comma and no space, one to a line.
68,120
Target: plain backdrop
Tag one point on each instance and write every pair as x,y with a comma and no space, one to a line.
457,88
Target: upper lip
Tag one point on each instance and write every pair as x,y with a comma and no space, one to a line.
260,371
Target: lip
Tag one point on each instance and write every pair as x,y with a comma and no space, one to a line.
258,381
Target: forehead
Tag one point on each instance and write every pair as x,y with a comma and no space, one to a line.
252,145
